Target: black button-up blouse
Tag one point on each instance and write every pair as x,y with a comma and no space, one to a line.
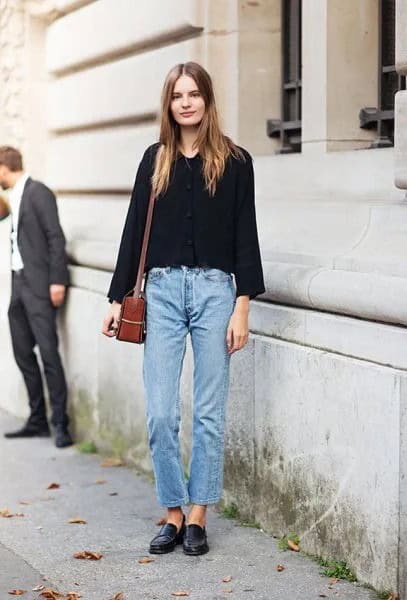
190,227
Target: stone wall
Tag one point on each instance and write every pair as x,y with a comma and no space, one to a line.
317,411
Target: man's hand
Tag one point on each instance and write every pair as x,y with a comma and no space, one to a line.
57,294
111,321
238,329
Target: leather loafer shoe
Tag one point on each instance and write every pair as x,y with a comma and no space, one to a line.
62,437
195,542
167,538
29,431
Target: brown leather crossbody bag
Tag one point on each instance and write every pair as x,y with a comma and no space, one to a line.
132,320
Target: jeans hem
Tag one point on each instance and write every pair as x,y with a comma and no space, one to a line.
174,503
206,501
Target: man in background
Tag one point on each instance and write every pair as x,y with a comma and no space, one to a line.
39,279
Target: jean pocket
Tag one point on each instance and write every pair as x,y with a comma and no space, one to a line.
216,275
155,273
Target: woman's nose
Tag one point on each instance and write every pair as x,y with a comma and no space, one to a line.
185,102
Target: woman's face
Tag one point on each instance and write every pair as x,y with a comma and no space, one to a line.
187,104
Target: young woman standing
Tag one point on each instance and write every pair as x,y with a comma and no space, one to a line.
203,230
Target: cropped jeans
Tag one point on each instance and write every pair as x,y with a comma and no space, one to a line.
200,301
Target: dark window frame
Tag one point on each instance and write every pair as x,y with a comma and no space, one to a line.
388,80
288,128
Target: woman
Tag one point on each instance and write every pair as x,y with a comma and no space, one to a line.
203,229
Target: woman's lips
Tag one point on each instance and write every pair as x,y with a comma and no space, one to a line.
187,114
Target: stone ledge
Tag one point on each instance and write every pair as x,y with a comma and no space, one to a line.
126,21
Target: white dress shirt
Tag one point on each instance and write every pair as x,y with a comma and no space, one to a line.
15,196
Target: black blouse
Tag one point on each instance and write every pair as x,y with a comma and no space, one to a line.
190,227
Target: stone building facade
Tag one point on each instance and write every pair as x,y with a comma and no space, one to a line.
318,404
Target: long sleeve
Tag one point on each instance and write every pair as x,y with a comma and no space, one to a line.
125,273
47,211
248,267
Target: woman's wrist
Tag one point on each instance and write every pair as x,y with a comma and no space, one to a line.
242,304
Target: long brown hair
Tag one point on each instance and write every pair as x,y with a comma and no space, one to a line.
213,146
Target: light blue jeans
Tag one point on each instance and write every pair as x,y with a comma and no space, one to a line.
199,301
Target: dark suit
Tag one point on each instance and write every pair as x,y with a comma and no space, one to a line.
32,317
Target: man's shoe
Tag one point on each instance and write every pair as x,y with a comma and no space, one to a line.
62,437
29,431
167,539
195,542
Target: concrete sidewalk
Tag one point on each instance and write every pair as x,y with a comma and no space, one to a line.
121,515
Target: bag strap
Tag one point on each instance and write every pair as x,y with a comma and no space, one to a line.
142,262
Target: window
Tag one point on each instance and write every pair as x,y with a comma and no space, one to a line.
389,82
288,128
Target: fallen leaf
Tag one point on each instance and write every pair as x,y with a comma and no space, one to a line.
333,580
227,578
86,555
73,596
280,567
293,546
323,596
17,592
5,513
77,520
112,462
228,591
53,486
100,481
180,594
146,560
113,494
19,515
49,594
38,588
118,596
24,502
161,521
393,597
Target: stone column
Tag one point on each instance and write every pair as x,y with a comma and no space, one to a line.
339,74
400,133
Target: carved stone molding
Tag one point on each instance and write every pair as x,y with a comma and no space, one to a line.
12,43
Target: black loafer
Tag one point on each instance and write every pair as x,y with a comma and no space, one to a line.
29,431
195,542
167,539
62,437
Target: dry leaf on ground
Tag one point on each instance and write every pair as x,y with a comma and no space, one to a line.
114,494
73,596
86,555
280,567
77,520
118,596
53,486
112,462
228,591
38,588
180,594
161,521
17,592
100,481
323,596
227,578
49,594
24,502
5,513
333,580
293,546
19,515
145,560
393,597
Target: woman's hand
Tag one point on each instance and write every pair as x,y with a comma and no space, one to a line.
238,329
111,321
